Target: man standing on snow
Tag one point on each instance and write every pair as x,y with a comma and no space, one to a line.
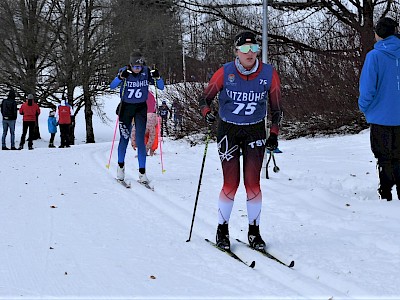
380,102
64,115
30,111
243,86
9,112
134,80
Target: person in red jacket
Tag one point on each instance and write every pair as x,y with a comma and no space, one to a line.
64,115
29,110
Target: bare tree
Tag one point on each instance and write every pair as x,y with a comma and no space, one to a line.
27,41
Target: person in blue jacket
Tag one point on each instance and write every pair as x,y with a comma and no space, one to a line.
379,100
52,126
133,80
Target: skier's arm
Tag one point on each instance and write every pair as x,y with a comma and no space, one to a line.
160,81
214,86
118,79
275,99
115,83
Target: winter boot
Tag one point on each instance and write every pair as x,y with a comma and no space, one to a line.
30,147
143,178
222,237
385,194
120,172
51,145
386,180
21,146
255,239
4,148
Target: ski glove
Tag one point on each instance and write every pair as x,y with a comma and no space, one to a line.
272,142
155,74
210,118
125,73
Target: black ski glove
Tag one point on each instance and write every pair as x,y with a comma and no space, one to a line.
125,73
272,142
210,118
155,74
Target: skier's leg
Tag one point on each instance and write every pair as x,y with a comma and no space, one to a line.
230,160
125,127
253,155
140,127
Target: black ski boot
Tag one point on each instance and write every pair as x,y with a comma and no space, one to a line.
222,238
255,239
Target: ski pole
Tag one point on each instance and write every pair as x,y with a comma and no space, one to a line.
160,138
266,167
112,145
116,123
198,186
276,168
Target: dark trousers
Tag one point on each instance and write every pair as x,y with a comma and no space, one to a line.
52,136
64,134
385,144
25,126
164,126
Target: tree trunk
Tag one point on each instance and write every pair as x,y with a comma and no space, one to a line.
88,116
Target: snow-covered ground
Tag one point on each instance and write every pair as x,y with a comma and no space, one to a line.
70,231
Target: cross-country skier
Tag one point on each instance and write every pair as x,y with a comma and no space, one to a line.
165,114
134,80
243,86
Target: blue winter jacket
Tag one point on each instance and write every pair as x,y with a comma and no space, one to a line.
380,83
134,89
52,124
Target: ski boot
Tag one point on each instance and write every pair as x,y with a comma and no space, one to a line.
121,172
143,178
255,240
222,237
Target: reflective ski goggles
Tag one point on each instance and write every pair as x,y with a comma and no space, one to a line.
246,48
137,67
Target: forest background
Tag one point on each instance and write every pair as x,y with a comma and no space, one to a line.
51,47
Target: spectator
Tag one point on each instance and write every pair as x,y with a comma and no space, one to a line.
64,119
52,126
30,111
9,112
